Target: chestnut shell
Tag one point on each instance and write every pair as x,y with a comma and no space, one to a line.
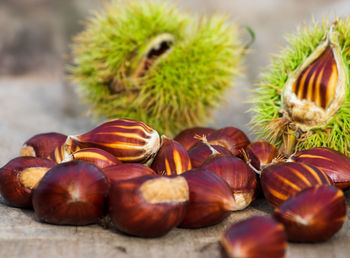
98,157
131,213
261,153
334,163
211,199
239,176
187,137
313,215
200,152
11,188
127,171
258,236
231,138
281,181
171,159
44,144
71,193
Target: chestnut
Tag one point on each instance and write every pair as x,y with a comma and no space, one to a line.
98,157
18,178
71,193
41,145
261,154
171,159
128,140
334,163
231,138
127,171
313,215
258,236
201,151
211,199
281,181
148,206
239,176
187,137
61,152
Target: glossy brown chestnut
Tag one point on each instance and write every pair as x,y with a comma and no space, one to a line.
258,236
201,151
41,145
187,137
71,193
281,181
148,206
18,178
129,140
313,215
239,176
335,164
127,171
261,153
171,159
99,158
231,138
211,199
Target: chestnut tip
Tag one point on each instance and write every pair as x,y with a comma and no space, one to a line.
187,137
231,138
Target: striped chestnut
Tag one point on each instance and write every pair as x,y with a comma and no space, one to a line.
60,152
98,157
258,236
171,159
313,215
187,138
42,145
148,206
242,180
281,181
335,164
231,138
315,91
260,154
127,171
20,176
211,199
129,140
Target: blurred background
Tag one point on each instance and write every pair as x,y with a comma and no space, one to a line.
35,36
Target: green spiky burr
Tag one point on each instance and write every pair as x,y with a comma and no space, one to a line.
149,61
303,97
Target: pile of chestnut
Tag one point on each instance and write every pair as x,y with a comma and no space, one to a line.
148,185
